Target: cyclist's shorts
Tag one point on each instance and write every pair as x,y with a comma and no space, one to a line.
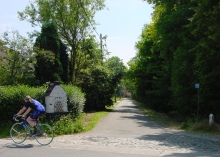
35,114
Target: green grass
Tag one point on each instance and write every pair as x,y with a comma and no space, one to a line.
89,120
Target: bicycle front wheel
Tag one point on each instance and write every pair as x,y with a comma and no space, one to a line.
18,133
44,134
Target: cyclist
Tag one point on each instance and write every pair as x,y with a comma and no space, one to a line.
31,104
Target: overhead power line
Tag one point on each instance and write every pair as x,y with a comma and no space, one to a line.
100,35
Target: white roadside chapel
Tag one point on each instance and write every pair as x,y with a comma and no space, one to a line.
56,99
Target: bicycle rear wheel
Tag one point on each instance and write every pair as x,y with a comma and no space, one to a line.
18,133
44,134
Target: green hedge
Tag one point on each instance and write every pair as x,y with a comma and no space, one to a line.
11,99
76,100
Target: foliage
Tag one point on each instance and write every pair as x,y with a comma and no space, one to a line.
98,86
16,59
11,99
49,66
178,49
66,125
205,29
64,60
89,55
117,69
73,19
100,80
76,100
4,129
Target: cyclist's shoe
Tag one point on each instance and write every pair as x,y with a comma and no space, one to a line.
34,133
42,134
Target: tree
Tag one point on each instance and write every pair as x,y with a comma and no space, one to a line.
205,29
64,60
48,67
73,19
97,83
17,60
182,49
117,69
89,55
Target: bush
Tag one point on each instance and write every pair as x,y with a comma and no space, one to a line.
11,99
66,125
99,88
76,100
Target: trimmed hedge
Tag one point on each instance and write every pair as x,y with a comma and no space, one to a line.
11,99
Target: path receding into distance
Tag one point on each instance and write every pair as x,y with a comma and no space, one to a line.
127,132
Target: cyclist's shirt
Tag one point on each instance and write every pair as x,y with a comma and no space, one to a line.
36,105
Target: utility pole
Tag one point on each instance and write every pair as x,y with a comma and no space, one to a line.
101,38
101,46
197,114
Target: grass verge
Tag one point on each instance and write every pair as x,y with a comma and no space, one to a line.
89,120
199,127
160,118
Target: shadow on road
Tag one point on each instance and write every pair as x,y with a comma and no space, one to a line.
185,141
165,136
191,154
19,146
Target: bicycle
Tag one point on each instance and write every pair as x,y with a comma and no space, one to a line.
20,130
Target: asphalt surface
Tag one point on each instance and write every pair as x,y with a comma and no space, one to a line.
123,132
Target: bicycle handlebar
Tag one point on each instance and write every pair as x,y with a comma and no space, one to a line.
17,117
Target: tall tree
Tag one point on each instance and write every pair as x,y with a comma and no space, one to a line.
185,50
206,30
64,60
48,67
73,19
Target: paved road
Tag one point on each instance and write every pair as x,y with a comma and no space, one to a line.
123,132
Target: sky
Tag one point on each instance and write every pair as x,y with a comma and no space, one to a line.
121,22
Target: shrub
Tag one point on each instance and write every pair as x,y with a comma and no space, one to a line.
76,100
11,99
99,88
66,125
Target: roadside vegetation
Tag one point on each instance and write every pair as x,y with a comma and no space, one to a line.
176,67
192,125
66,124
